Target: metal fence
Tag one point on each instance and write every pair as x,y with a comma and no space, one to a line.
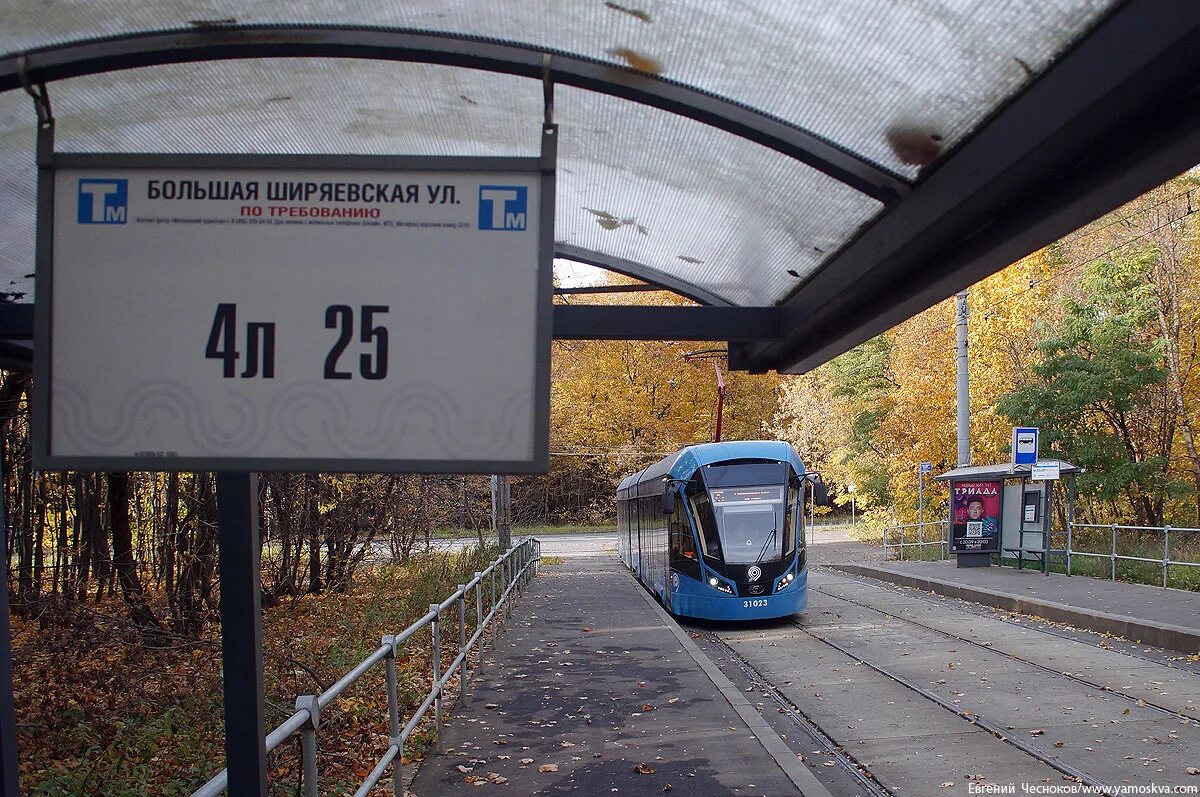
492,589
917,535
1149,545
1115,530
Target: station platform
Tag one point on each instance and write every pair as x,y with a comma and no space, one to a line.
1166,618
594,689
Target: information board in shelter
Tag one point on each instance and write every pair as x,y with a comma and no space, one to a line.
383,317
975,516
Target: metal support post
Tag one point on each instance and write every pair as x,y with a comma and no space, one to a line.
1071,496
495,614
921,497
812,513
393,713
436,627
1113,560
479,627
1166,552
308,742
8,723
241,633
962,384
462,645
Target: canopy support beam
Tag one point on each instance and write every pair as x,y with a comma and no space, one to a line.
1114,117
130,51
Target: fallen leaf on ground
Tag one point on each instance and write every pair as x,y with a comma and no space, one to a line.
548,768
644,769
1037,731
526,761
647,707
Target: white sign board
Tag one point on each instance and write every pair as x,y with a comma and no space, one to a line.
251,313
1043,471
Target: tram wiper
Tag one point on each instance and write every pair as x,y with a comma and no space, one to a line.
770,539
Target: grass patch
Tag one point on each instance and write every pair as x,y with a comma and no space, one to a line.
101,711
550,561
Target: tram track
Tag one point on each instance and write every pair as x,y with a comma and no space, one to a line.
1141,702
998,731
921,595
762,684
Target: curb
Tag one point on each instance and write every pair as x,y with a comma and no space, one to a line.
795,771
1163,635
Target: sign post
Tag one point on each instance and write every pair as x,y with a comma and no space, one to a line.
922,469
241,632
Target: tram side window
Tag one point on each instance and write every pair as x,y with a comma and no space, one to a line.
793,526
683,545
703,512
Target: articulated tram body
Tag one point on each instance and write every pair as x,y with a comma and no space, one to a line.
733,548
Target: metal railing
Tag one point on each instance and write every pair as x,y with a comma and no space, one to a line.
1165,562
511,572
929,533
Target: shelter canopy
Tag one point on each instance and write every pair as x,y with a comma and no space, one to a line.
1004,470
837,166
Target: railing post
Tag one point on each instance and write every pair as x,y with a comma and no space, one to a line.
308,742
479,626
921,539
1166,551
495,614
393,712
462,644
1113,560
436,625
508,587
1070,542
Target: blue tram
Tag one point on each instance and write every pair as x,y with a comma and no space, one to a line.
716,530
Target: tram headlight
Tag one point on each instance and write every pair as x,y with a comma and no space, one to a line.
719,585
790,576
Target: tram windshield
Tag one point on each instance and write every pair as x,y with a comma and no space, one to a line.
749,503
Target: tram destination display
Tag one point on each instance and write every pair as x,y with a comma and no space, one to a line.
294,313
975,514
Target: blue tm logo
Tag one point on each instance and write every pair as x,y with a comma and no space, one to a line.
503,207
103,201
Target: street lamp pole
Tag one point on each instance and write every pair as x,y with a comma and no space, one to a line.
853,489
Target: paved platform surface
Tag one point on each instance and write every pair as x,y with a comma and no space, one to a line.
1167,618
589,682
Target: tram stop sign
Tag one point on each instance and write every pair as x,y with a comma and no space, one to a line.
1024,445
294,313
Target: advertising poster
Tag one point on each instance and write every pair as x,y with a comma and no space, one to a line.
975,517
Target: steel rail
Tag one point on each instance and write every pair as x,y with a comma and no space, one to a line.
998,731
797,715
927,597
1141,702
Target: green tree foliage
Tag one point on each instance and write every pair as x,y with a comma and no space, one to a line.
1099,391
